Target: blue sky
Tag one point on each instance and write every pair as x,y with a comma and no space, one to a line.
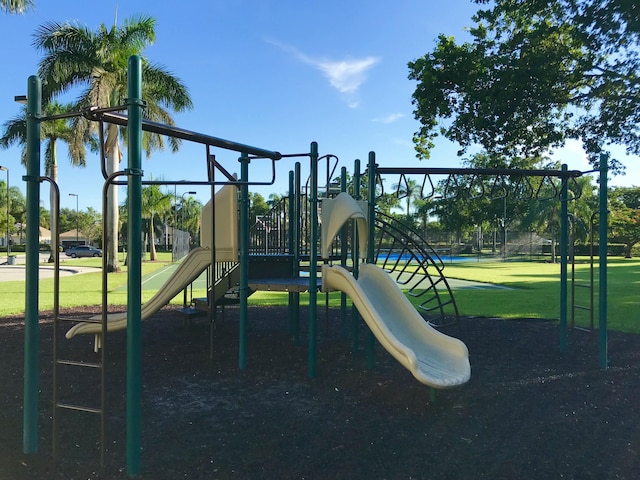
276,74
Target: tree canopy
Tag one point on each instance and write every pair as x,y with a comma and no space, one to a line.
535,74
15,6
96,61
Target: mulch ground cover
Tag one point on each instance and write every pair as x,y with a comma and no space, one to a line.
528,412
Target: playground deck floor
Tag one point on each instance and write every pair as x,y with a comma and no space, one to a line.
529,411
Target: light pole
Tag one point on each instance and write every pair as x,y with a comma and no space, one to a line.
8,200
77,218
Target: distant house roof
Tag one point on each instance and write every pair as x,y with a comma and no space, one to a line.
72,235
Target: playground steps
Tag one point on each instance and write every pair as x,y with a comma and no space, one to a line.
224,291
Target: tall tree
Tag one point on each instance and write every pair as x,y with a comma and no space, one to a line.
97,61
258,206
154,203
409,190
16,6
536,73
189,216
15,131
625,217
6,219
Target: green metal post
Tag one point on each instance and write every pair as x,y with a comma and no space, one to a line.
602,275
244,261
355,250
291,244
371,218
344,244
313,260
134,266
31,312
564,246
297,212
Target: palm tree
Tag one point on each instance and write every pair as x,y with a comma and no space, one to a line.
75,56
16,6
408,189
190,211
15,131
154,202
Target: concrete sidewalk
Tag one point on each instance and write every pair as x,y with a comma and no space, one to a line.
10,273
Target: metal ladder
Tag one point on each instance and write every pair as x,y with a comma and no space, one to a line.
58,362
589,287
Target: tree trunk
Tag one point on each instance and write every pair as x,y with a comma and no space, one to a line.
152,240
627,250
114,155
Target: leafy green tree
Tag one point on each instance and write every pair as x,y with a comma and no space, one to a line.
189,216
67,219
97,60
154,203
90,223
535,74
15,131
386,202
6,222
257,206
274,199
625,217
16,6
17,212
409,190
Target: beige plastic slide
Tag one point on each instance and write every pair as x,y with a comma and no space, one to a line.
189,269
434,359
198,259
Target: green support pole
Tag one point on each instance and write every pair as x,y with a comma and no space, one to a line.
313,261
564,246
134,266
344,244
297,212
244,261
602,275
31,312
371,218
355,317
291,245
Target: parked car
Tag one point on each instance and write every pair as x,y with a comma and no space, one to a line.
83,251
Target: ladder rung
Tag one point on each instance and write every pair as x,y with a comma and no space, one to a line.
78,363
583,329
79,408
582,285
78,319
580,307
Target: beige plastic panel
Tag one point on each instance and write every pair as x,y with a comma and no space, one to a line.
226,219
335,212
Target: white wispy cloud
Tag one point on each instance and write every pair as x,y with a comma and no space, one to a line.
390,118
346,76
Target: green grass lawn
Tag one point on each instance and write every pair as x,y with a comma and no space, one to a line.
534,291
80,290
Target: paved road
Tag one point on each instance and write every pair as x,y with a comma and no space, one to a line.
9,273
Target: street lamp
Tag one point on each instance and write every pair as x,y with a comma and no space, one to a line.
8,200
77,218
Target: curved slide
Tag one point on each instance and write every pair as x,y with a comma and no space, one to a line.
434,359
189,269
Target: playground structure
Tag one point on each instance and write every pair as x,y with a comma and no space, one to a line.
433,358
